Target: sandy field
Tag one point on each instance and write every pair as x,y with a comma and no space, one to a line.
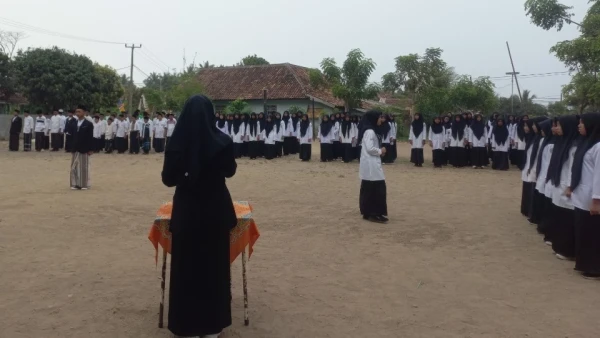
456,260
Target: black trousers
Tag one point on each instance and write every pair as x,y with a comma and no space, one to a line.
587,242
253,149
13,142
237,150
305,152
347,152
39,140
326,152
68,143
270,151
55,141
416,156
108,146
135,142
120,144
438,158
373,198
46,142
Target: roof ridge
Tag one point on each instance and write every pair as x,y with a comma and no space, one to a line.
289,67
251,66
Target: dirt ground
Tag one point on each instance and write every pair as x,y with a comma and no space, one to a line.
456,260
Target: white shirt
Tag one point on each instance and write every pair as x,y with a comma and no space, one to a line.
97,133
327,138
239,136
225,128
110,131
478,142
307,138
525,176
335,132
63,122
122,128
159,128
589,186
350,134
47,126
437,140
370,168
541,178
40,124
558,193
55,124
257,133
500,147
271,138
28,125
456,142
417,141
288,128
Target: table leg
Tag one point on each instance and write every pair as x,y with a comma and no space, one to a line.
246,319
161,309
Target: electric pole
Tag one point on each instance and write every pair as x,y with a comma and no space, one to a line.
514,72
133,47
512,91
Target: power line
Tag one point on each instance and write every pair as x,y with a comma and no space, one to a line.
159,60
141,71
153,62
507,77
34,29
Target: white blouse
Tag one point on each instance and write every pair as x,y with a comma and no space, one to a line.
271,138
478,142
500,147
541,177
456,142
370,168
558,193
325,139
307,138
417,142
239,136
225,129
529,177
589,186
347,138
438,141
257,132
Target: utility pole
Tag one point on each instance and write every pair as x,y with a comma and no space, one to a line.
133,47
512,91
514,71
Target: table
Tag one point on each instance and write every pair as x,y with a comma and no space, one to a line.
245,234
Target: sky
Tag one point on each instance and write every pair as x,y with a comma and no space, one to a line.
472,33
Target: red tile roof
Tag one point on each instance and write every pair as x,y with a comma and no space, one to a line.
282,81
14,99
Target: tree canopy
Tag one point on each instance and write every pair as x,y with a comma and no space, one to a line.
7,83
253,60
350,82
54,77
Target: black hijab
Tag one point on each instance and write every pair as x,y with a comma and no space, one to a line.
478,126
369,121
221,121
195,141
269,125
562,147
437,128
346,126
253,124
546,127
447,124
458,127
286,117
237,122
261,119
591,121
469,119
295,119
277,122
536,140
417,125
500,132
521,129
304,125
325,125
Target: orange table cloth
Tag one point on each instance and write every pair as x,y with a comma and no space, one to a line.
245,234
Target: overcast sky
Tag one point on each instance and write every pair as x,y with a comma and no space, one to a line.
472,33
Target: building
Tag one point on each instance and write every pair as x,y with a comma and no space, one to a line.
286,86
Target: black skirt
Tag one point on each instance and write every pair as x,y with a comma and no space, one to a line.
438,158
336,150
457,157
55,141
305,152
347,155
120,144
536,206
562,231
512,156
13,143
479,157
373,198
357,151
245,148
270,151
253,149
587,242
237,150
135,142
394,151
520,159
416,156
545,217
68,143
278,149
468,151
526,196
160,145
326,152
388,157
46,142
288,145
261,148
500,160
39,141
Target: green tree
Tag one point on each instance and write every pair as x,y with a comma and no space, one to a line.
350,82
558,108
7,81
253,60
548,14
479,95
108,88
56,78
188,86
390,83
238,106
527,100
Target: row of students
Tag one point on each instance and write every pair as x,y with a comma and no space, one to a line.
561,187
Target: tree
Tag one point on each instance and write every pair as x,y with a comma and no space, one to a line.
188,86
206,64
351,81
56,78
558,108
7,83
9,41
479,95
238,106
390,83
527,100
253,60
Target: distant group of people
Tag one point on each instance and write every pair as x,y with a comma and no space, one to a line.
137,133
467,139
561,186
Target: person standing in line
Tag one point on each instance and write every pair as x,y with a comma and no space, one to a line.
222,124
70,128
458,138
253,136
288,133
63,124
500,145
160,128
347,136
325,136
97,145
478,142
527,175
47,131
109,136
270,136
103,127
279,127
448,130
28,130
416,137
336,147
121,134
393,151
134,134
522,134
55,130
386,140
295,124
584,191
197,162
40,127
373,199
237,134
543,162
83,140
145,134
171,122
437,141
304,132
16,125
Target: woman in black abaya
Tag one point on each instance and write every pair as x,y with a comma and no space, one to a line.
197,160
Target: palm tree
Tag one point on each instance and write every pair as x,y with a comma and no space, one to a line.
527,100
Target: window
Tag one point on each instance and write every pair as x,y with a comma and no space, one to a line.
220,109
271,108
